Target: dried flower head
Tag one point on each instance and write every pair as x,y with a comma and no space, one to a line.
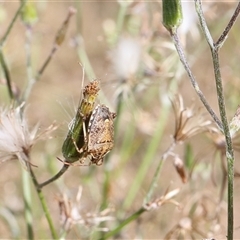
188,123
198,220
70,213
16,140
168,197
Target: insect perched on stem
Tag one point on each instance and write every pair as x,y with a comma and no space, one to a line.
75,136
92,132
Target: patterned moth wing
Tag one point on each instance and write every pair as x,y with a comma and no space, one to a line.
100,133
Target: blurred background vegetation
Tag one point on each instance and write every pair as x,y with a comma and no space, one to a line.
130,52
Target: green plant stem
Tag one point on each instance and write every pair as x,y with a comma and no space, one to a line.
148,157
30,77
124,223
157,173
84,59
54,178
4,38
9,217
44,204
7,74
27,203
120,18
80,44
193,81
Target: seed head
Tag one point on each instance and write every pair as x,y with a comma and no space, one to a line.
16,138
187,122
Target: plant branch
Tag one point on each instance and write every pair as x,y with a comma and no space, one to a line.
229,147
7,74
59,38
193,81
124,223
224,35
221,103
157,172
206,32
4,38
28,203
54,178
43,203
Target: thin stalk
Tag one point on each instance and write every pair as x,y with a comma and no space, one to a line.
157,173
120,18
124,223
229,26
44,204
7,74
30,77
55,177
84,59
222,109
193,80
10,218
28,203
229,147
4,38
46,62
206,32
148,157
59,38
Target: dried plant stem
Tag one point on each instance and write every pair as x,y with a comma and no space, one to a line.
46,62
221,103
44,204
60,35
193,81
224,35
157,172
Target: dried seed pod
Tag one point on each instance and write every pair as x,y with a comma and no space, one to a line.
179,166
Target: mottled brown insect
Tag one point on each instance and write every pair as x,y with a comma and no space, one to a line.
100,133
